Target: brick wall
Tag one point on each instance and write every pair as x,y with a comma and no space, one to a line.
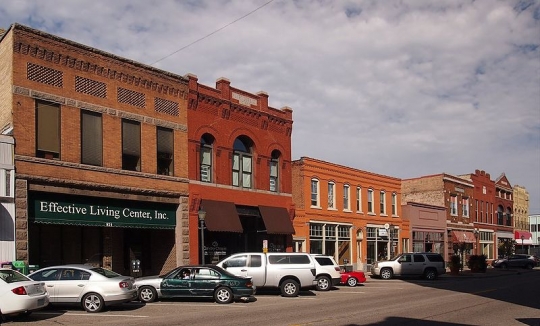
6,59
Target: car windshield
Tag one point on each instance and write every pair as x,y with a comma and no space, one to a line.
11,276
105,272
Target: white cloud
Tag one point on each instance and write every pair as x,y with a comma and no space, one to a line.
398,88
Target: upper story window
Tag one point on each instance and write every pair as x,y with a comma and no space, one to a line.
358,199
131,145
453,205
274,171
331,195
346,195
314,193
508,217
91,138
207,142
165,150
500,215
370,201
383,203
242,165
48,130
394,204
465,206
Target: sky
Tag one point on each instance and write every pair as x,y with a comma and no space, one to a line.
398,88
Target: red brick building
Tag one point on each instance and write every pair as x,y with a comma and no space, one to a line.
100,155
240,172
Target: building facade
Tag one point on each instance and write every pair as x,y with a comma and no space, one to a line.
504,208
456,195
7,199
428,226
350,214
240,172
534,222
100,155
522,232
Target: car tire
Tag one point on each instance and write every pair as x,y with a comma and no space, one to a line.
223,295
529,266
430,274
386,273
147,294
93,302
289,288
504,266
352,281
323,283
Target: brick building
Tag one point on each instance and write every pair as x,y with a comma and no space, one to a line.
504,207
428,226
521,218
100,155
239,170
347,213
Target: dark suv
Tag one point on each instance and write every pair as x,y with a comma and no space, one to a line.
520,260
424,264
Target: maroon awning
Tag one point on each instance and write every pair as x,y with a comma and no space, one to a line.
463,236
526,240
221,216
276,220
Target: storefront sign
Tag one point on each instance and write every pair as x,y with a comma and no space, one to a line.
383,233
78,210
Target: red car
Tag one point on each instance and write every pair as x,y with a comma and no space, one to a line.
352,278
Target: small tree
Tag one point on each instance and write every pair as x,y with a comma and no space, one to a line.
507,247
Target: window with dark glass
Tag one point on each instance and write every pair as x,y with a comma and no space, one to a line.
206,158
242,163
274,169
91,138
165,150
131,145
48,130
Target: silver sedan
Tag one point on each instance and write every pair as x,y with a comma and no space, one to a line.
92,287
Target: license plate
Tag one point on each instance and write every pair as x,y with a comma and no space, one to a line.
40,302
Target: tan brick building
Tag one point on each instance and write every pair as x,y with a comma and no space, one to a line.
100,154
347,213
521,218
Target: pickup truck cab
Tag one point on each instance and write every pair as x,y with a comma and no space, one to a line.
287,271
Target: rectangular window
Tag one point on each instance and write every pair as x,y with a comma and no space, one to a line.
465,205
453,205
165,150
358,199
394,204
383,203
131,145
346,205
48,130
206,164
370,201
241,171
91,138
476,209
331,195
274,175
315,193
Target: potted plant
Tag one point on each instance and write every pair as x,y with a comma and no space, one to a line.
454,264
477,263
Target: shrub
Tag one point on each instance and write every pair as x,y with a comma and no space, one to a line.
477,263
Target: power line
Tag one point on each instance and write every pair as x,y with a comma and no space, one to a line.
214,32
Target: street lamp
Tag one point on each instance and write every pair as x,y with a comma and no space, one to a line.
522,245
202,216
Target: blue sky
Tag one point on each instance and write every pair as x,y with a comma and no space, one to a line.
400,88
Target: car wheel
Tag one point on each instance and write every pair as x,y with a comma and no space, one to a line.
93,302
352,281
386,273
223,295
430,274
504,266
147,294
290,288
323,283
529,266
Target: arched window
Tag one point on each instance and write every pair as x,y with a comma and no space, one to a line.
274,171
500,214
242,165
207,145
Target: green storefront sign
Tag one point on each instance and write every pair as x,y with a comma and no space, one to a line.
93,211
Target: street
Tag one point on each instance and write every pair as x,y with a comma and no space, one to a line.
508,298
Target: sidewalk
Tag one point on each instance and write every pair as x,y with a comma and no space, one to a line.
490,272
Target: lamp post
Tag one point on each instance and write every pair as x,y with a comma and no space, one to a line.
522,245
202,216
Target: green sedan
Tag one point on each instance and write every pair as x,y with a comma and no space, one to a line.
195,281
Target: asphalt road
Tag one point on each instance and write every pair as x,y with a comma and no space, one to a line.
505,299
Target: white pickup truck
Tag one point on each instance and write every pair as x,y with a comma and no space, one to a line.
287,271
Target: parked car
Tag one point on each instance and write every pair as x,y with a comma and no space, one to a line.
287,271
424,264
352,278
195,281
20,294
327,272
518,260
92,287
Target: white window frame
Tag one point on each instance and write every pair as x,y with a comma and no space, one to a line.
331,195
346,198
394,204
315,193
359,199
453,205
382,202
370,207
465,207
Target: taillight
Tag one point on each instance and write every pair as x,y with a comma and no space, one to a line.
337,268
19,291
249,284
123,285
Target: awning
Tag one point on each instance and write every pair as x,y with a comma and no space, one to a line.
276,220
463,236
221,216
527,237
